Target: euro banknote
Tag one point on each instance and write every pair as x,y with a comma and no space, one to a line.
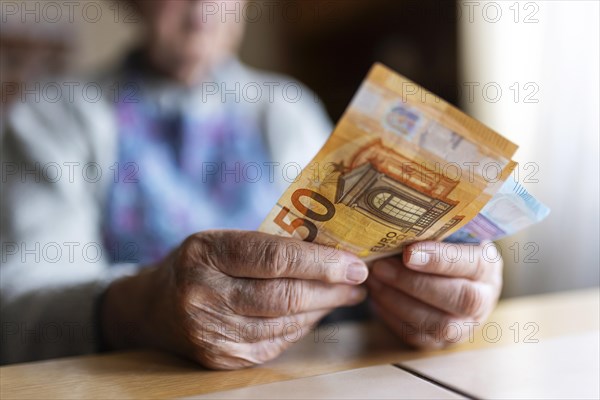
402,165
510,210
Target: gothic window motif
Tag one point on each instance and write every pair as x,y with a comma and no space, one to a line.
393,206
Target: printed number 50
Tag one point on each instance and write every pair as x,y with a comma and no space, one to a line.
298,222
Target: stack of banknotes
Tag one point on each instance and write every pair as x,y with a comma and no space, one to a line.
402,165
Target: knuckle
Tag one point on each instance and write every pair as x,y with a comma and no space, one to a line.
193,249
250,298
208,298
217,361
194,332
210,360
418,283
274,258
240,299
216,349
290,296
431,322
292,253
217,250
240,249
446,322
266,351
195,254
184,302
470,301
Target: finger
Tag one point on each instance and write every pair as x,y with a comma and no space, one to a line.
456,260
458,296
235,355
415,322
269,349
245,254
253,330
407,333
279,297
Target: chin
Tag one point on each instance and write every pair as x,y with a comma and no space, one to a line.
194,50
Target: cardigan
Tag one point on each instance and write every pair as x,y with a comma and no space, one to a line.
59,143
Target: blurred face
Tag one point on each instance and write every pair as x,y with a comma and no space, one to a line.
186,38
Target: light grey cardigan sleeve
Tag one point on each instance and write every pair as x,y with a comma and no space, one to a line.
55,168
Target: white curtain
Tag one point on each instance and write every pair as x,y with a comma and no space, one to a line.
543,56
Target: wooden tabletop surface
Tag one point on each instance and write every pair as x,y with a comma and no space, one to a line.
147,374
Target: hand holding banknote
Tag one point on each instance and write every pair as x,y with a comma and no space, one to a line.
428,299
231,299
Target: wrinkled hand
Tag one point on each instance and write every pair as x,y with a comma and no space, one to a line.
232,299
436,292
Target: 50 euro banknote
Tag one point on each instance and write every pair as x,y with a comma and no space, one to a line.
401,165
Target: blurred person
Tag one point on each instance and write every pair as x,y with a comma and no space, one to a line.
126,223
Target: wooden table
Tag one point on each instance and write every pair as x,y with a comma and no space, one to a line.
146,374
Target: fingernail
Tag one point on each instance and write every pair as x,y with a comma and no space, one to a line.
385,271
357,272
418,259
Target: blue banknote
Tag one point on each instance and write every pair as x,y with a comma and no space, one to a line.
510,210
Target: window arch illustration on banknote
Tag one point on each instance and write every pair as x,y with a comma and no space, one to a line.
396,191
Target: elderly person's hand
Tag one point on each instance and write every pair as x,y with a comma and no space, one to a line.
436,292
231,299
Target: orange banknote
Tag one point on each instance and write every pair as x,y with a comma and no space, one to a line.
402,165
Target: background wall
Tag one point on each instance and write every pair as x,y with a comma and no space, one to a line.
548,52
543,56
